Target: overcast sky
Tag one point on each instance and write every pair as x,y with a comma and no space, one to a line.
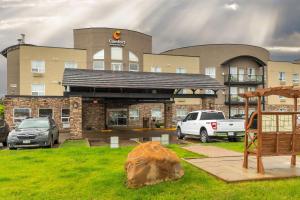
273,24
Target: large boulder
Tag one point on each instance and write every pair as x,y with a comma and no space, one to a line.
150,163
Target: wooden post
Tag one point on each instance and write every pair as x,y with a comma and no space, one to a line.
260,167
245,164
293,159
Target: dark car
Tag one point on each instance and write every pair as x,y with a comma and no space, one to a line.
238,116
3,132
34,132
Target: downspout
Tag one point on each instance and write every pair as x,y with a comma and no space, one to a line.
229,95
263,82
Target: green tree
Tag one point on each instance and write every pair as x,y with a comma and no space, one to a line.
1,110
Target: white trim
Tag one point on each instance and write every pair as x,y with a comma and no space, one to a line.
20,108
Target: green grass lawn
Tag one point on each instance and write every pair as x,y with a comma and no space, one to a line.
76,171
234,146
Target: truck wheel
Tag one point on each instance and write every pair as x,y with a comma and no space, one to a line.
204,136
179,134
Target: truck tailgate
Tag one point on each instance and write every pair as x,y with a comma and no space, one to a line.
231,125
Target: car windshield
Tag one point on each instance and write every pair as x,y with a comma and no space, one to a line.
212,115
34,123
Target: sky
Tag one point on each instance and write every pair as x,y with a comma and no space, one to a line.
272,24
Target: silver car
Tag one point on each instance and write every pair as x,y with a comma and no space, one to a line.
34,132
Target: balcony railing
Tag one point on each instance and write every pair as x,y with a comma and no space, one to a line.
235,99
244,79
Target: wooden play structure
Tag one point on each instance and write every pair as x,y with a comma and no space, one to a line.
271,133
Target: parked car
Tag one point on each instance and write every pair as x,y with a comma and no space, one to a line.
3,132
238,116
34,132
208,124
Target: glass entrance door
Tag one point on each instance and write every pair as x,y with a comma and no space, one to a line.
117,117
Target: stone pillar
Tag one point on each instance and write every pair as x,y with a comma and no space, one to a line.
208,103
76,117
8,112
168,114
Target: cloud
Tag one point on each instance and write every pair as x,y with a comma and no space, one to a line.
232,6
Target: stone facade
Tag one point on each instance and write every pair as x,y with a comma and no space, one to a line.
93,116
47,102
34,104
76,117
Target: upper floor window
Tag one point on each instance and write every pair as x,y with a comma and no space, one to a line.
155,69
98,65
38,66
296,78
70,64
38,89
210,71
180,70
116,53
282,76
116,66
133,57
133,67
98,60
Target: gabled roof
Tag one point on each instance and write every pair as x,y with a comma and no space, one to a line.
137,80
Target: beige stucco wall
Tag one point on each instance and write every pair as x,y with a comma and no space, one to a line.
55,59
96,39
169,64
273,79
13,72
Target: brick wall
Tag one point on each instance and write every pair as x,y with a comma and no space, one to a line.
35,103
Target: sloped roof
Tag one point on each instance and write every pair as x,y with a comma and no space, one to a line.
137,80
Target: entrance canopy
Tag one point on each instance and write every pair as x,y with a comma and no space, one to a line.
137,85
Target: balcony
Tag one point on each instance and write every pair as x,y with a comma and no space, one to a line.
243,79
237,100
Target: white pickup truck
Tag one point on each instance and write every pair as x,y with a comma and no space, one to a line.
208,124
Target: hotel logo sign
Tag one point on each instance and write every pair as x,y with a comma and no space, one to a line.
116,40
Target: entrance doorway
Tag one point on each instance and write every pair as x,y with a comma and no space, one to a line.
117,117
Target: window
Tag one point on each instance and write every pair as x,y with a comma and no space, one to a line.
296,78
251,73
133,67
99,55
181,113
38,89
281,98
180,70
155,69
282,76
45,112
98,65
233,111
233,73
116,66
38,66
71,65
65,117
210,71
133,57
156,113
211,115
20,114
98,60
116,53
134,114
193,116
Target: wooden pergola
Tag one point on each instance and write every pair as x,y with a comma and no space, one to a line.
275,133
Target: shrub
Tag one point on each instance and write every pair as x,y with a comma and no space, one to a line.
1,111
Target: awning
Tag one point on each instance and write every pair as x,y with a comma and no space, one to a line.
137,80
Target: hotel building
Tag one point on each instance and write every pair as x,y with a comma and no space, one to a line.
111,79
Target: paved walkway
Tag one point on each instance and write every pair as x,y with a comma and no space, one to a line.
227,165
211,151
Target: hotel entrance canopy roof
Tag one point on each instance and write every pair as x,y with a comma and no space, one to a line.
137,80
